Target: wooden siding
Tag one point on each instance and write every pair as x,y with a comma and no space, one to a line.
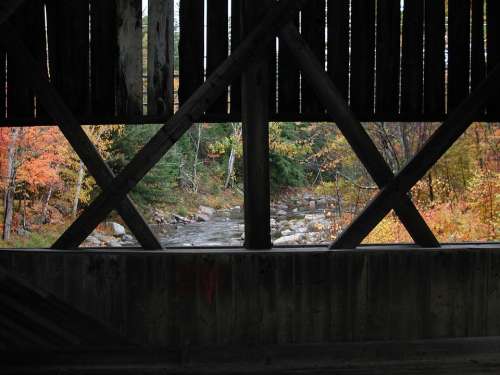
279,297
391,64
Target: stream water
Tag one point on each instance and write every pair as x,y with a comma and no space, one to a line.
225,228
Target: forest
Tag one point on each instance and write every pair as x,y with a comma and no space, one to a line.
44,184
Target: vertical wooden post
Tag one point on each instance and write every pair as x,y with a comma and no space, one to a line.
255,118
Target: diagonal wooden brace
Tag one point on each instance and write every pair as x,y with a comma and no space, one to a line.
254,45
437,145
356,136
75,135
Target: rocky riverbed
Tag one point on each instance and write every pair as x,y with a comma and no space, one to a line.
303,219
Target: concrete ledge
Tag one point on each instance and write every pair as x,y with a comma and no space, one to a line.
455,356
446,247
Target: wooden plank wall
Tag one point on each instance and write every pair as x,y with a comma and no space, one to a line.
294,296
409,64
160,58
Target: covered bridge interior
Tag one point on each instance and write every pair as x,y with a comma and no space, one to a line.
346,308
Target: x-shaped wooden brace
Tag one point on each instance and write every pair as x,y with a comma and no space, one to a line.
394,189
356,136
437,145
69,126
115,191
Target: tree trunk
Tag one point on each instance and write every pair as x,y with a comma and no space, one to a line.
232,156
79,183
404,141
195,162
429,185
11,183
46,203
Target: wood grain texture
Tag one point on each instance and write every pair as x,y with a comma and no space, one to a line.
388,56
288,79
313,32
129,83
29,22
493,47
104,57
291,297
434,75
68,41
338,45
191,48
160,58
478,59
256,106
217,45
458,52
235,40
362,56
412,80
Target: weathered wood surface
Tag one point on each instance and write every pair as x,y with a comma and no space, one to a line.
289,296
434,72
365,39
191,48
68,43
388,56
412,81
362,56
129,84
217,45
256,106
160,83
104,52
458,52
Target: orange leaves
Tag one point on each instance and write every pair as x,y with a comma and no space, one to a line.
40,151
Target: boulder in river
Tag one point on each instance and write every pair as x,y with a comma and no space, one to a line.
293,239
181,219
201,217
204,210
117,230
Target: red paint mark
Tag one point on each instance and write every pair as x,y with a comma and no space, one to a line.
208,279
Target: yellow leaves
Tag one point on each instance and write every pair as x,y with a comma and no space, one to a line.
278,144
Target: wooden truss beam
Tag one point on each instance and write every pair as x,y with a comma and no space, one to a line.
254,44
255,85
69,126
440,141
355,134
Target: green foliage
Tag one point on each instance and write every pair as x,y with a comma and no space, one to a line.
155,185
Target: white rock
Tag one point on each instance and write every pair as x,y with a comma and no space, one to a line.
287,232
202,217
128,238
314,217
209,211
114,243
92,241
118,230
289,240
181,219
